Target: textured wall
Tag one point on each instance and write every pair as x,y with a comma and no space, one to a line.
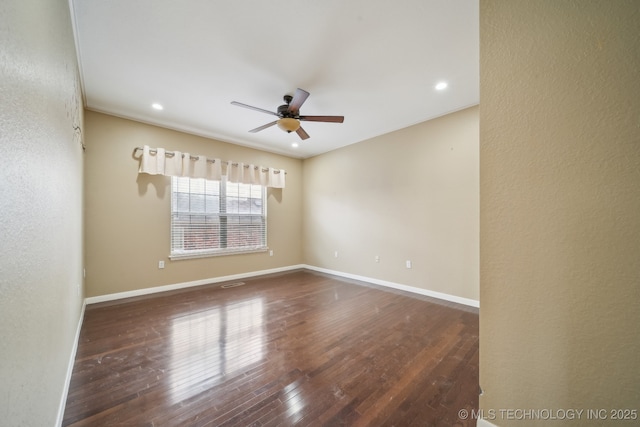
560,206
128,214
41,208
408,195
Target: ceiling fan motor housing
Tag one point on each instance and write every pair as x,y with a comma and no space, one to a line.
283,111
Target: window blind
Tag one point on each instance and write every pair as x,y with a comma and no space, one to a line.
216,217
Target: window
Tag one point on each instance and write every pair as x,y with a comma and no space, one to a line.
216,217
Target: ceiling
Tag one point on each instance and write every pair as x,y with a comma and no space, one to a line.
376,62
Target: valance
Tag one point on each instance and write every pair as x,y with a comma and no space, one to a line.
158,161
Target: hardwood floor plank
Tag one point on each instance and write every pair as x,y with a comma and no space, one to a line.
301,348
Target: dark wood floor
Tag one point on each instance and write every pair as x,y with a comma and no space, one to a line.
300,348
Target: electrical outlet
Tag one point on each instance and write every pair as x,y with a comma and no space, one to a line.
335,254
377,258
270,253
408,264
160,264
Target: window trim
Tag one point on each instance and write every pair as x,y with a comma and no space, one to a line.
207,253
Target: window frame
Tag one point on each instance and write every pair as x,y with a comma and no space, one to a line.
223,223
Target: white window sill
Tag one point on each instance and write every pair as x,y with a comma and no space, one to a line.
195,254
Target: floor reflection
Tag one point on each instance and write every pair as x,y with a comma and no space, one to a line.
210,345
294,400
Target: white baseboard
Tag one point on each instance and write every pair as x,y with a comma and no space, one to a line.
72,361
426,292
156,289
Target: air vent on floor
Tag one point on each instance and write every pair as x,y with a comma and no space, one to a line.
232,285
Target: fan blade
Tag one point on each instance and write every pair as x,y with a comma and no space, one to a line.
298,99
302,134
263,127
240,104
330,119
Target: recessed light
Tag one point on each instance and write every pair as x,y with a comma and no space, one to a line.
157,106
294,145
441,86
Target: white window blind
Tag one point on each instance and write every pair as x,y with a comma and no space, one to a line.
216,217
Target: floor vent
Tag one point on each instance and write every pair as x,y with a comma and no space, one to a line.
232,285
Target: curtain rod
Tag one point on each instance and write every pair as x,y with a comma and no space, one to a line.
171,154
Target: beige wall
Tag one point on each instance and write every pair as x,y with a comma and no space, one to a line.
408,195
128,214
41,209
560,206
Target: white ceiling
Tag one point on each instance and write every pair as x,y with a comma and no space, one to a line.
376,62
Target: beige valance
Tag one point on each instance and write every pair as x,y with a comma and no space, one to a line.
158,161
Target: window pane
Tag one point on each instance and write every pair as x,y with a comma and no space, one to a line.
232,204
256,206
197,186
197,203
182,202
213,204
233,189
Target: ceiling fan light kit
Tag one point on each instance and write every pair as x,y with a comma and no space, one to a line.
289,114
288,124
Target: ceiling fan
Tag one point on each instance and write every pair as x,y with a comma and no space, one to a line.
289,115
